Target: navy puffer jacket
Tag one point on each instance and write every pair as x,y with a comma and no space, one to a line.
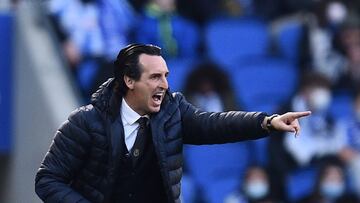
83,159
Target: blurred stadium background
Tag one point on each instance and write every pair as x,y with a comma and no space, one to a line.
247,55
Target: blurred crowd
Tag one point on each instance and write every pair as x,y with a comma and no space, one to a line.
273,56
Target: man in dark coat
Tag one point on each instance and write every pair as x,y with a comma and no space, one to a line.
126,146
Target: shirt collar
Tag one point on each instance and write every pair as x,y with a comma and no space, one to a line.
128,114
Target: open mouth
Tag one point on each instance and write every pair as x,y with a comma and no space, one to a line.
158,97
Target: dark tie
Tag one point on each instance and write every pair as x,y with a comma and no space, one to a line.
139,145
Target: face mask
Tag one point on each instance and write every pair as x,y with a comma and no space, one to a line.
256,189
332,190
336,13
319,99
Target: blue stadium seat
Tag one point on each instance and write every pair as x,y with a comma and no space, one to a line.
300,183
179,69
208,165
259,151
288,40
228,39
264,84
220,189
341,106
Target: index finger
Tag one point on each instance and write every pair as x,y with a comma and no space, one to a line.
301,114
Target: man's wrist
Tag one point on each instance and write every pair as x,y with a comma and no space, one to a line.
267,122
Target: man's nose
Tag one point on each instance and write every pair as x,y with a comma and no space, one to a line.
164,83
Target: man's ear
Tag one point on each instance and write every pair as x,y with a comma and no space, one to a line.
129,82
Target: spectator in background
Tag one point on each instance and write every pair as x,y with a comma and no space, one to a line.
161,25
321,26
91,32
117,22
349,40
351,153
321,135
208,88
255,188
77,24
330,186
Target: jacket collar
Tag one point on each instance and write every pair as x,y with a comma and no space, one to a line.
106,100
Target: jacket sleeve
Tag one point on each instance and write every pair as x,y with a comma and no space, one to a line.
200,127
63,160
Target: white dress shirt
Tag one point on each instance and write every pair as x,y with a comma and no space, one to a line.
131,127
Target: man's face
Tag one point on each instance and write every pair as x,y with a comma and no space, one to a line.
145,95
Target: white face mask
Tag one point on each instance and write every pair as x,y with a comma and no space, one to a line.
336,12
256,189
319,99
332,190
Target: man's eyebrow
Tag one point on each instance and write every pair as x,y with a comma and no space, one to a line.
159,73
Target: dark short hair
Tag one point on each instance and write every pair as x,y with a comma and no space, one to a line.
127,63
